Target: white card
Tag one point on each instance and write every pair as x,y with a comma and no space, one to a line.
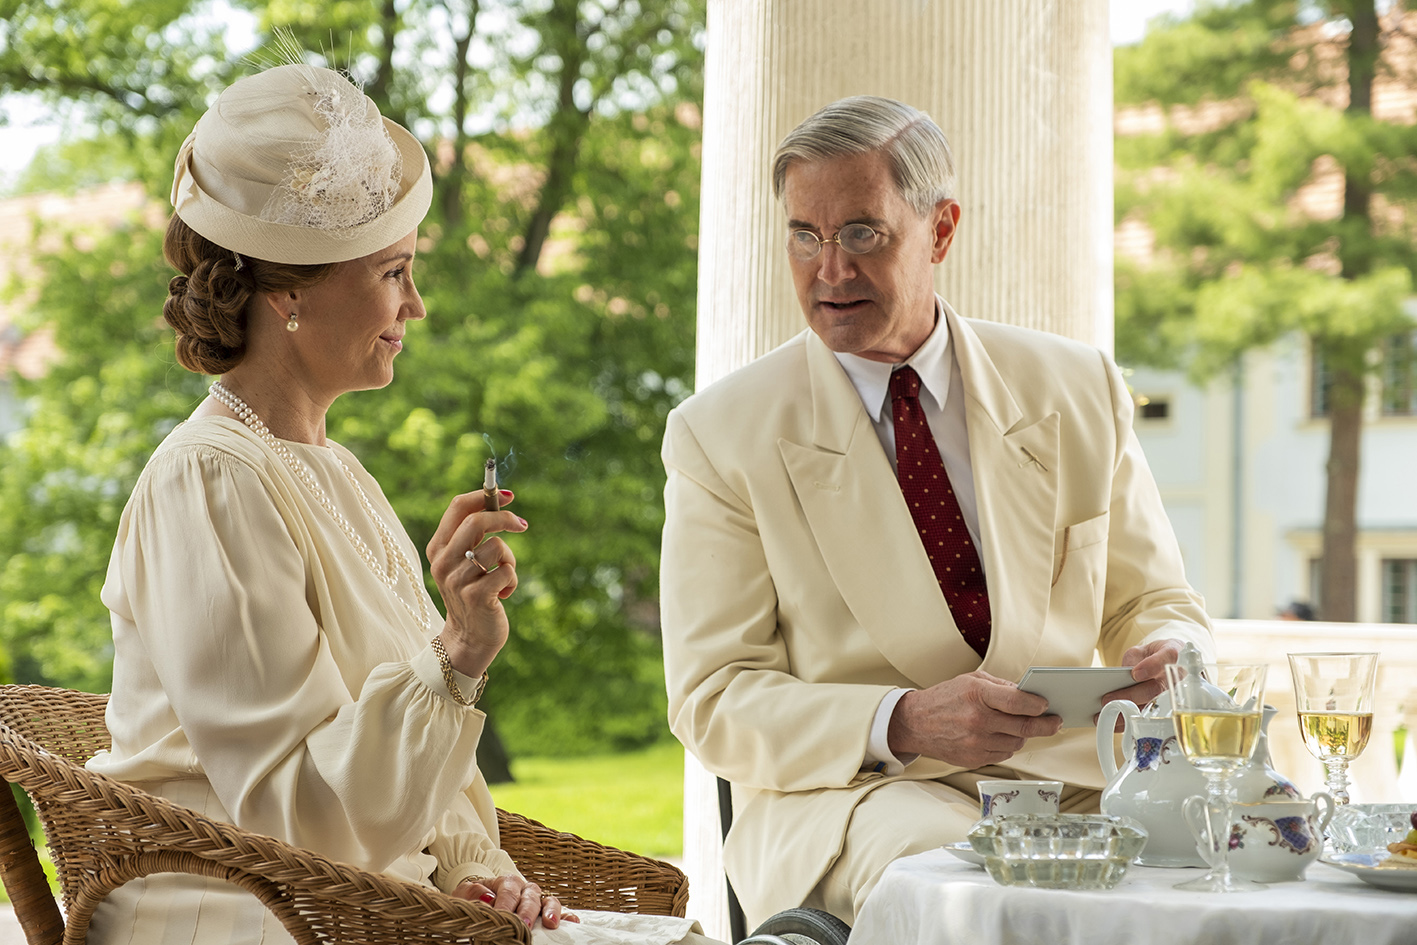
1075,692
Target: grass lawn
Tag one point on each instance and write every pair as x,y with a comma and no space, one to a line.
632,801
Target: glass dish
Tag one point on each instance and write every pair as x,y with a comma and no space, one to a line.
1058,851
1363,828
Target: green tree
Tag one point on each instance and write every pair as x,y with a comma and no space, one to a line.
96,417
558,269
1259,99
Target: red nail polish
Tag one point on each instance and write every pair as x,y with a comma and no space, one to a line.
488,898
522,520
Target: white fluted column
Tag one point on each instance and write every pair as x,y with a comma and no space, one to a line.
1023,90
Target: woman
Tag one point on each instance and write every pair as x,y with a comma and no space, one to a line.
272,657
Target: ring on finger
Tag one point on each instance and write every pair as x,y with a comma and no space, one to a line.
471,556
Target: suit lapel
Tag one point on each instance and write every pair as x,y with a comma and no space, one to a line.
864,531
1015,464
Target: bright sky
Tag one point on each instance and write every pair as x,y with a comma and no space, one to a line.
1129,16
31,126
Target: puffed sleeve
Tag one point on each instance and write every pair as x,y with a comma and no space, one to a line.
209,576
462,847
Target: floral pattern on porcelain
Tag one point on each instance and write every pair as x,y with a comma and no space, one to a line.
1272,841
1290,833
1149,753
988,800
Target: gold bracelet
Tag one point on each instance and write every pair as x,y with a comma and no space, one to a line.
451,681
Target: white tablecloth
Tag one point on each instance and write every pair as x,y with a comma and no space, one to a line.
935,899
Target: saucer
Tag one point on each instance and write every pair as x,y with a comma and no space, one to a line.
964,851
1365,867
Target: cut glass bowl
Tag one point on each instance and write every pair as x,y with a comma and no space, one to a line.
1058,851
1365,828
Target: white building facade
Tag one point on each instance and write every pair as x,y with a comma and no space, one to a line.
1241,468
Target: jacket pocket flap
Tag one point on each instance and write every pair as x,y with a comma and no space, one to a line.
1088,532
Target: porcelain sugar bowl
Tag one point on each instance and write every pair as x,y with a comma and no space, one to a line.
1270,841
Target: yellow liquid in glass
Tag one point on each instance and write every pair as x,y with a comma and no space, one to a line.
1217,739
1335,734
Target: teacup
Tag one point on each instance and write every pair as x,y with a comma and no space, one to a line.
1000,797
1270,841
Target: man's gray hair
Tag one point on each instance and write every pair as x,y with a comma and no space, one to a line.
918,152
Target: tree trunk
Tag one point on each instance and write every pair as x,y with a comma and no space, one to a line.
451,186
492,758
378,89
1338,583
566,128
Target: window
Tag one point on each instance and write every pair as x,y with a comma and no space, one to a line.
1399,590
1154,408
1400,375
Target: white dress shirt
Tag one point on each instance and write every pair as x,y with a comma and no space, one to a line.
942,400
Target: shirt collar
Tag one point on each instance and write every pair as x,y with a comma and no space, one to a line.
872,379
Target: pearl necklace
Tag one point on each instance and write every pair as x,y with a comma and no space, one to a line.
393,555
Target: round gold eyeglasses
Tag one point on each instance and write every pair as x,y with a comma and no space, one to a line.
854,238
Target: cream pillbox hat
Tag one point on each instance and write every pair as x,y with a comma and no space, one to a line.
295,165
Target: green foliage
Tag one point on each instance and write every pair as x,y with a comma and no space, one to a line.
64,478
571,375
1212,54
1238,261
563,361
1264,104
138,72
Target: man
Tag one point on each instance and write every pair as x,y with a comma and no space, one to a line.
841,643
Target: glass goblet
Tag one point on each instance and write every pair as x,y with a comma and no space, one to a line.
1333,693
1217,721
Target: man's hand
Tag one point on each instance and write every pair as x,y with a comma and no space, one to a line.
970,720
1148,665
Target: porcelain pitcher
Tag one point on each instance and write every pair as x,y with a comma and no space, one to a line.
1153,783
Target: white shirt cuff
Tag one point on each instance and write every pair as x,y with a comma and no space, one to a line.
878,750
429,671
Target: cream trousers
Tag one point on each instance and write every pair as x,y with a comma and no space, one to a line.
908,817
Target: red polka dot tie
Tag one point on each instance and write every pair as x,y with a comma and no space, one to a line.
931,498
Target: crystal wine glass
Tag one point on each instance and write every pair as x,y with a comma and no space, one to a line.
1217,714
1334,695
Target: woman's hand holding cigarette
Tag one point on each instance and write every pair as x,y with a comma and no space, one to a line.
473,589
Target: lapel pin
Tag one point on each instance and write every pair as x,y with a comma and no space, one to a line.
1032,460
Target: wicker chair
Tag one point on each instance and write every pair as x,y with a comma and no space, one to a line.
103,833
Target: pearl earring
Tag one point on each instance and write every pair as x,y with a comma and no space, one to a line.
291,324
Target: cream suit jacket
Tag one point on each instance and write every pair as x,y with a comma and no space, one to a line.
796,592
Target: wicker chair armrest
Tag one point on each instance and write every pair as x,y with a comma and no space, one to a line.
65,721
584,874
103,833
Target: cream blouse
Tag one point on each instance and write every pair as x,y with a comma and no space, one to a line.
264,675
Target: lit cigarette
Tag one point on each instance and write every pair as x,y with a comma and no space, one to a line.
491,498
